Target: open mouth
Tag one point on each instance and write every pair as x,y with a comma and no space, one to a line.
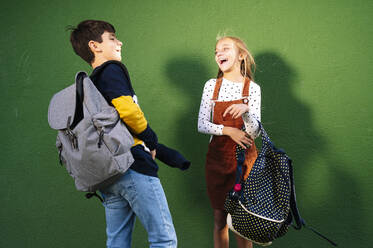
222,61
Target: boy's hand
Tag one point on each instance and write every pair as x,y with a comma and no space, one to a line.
236,110
238,136
153,153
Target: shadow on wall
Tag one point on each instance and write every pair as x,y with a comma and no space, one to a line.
188,74
325,192
284,115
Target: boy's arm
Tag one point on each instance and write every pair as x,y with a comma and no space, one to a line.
117,90
134,118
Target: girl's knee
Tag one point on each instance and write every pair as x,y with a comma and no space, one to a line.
220,219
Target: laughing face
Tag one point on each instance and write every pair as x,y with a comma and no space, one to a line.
227,56
110,47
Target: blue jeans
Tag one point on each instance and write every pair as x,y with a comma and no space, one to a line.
136,194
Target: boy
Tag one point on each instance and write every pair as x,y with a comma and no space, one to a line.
139,191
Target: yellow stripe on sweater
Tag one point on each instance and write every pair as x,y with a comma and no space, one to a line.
137,141
130,113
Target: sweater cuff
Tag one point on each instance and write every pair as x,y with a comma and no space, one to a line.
171,157
149,137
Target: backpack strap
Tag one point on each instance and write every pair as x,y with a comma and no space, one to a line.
91,194
299,222
78,116
239,171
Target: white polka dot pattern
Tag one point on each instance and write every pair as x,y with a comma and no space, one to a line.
260,212
229,91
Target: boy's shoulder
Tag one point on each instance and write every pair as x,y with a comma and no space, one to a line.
110,67
112,80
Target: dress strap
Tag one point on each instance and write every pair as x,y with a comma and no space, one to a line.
246,87
218,83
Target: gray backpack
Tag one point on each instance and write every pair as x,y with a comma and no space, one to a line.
92,141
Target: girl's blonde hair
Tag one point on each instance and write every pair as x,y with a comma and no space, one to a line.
248,64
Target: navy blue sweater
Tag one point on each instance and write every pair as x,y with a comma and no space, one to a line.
113,81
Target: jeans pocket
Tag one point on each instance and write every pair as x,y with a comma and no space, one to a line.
113,201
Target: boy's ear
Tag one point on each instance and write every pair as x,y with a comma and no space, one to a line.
93,45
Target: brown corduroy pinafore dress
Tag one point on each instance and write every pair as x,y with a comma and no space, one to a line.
221,162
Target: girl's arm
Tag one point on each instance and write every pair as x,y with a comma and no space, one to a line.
252,117
205,124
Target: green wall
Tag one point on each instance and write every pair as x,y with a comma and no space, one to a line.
314,65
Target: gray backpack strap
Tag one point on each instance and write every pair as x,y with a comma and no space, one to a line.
94,101
78,116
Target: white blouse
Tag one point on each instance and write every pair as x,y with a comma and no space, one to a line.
229,91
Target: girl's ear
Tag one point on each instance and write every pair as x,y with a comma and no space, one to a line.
241,57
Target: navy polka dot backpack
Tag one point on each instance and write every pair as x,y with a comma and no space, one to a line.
262,207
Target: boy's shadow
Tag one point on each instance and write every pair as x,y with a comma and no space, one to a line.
322,193
188,74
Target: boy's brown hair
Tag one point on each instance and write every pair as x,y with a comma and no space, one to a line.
86,31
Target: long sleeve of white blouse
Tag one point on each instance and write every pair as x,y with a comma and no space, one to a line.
229,91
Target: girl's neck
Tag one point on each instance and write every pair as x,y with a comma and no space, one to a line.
234,76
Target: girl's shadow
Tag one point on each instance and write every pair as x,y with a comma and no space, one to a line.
324,191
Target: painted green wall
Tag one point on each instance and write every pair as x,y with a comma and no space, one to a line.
314,64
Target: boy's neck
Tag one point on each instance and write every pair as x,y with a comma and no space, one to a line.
97,62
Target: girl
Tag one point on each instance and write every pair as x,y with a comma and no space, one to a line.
229,111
